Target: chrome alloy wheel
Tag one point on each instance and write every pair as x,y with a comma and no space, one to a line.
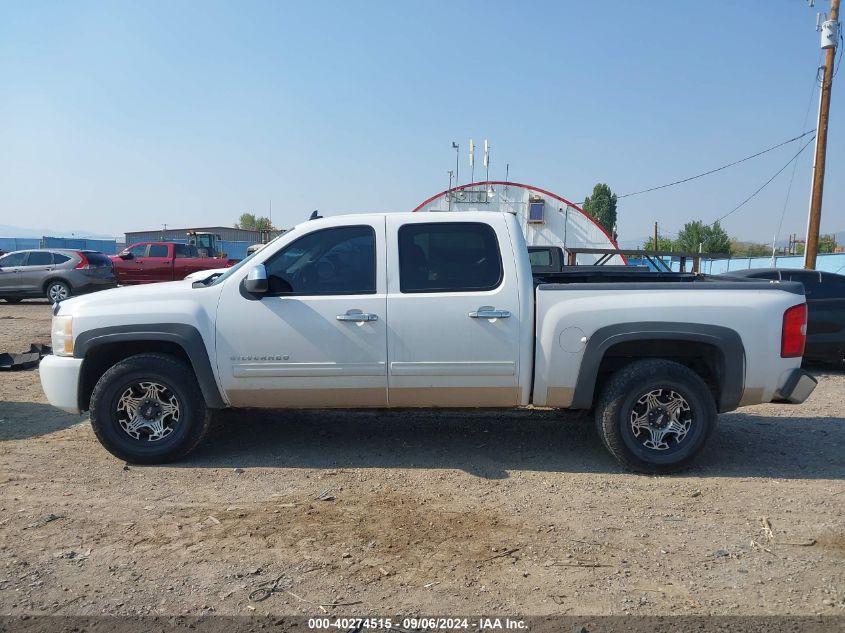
660,419
57,292
148,411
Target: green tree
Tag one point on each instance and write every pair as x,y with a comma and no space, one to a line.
251,222
663,244
827,243
709,238
749,249
602,206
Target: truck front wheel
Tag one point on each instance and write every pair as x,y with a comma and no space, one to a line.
148,409
655,415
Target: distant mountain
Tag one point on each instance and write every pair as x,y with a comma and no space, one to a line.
7,230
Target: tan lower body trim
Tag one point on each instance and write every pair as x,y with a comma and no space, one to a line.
454,397
430,397
559,396
308,398
753,395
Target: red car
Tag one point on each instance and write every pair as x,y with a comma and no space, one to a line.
152,262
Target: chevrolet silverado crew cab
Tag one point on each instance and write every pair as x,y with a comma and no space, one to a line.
424,310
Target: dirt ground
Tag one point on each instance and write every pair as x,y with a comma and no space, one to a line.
432,513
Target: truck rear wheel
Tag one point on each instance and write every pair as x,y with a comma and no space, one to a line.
148,409
654,416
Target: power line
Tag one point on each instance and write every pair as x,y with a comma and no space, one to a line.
839,63
713,171
765,184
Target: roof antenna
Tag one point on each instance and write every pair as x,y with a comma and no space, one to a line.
315,215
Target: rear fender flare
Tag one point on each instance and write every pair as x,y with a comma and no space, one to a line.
730,372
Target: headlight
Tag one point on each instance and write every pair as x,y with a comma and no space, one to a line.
62,335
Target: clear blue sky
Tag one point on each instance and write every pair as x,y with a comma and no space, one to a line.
122,116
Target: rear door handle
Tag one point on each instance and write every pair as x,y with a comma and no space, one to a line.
489,312
357,316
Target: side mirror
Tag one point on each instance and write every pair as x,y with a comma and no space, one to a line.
256,281
125,256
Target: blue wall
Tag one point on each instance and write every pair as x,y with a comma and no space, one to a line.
832,263
109,247
235,250
8,244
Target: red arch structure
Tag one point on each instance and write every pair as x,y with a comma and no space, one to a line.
545,192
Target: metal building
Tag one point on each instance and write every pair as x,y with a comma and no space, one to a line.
547,219
226,233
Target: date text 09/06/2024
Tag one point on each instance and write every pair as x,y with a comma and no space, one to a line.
417,623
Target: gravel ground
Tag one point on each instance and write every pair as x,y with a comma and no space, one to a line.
446,513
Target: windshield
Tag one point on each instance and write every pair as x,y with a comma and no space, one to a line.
213,281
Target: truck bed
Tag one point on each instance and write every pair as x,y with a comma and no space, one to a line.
612,274
635,278
590,314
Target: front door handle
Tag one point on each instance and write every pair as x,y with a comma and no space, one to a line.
489,312
357,316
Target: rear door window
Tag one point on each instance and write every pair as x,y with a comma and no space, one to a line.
157,250
39,258
449,257
181,251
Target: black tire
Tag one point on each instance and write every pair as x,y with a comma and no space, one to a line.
621,399
12,299
57,290
177,381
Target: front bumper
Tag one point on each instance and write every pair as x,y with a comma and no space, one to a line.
60,381
797,388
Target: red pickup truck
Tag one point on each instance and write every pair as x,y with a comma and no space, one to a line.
151,262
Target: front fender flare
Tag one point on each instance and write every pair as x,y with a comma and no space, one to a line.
185,336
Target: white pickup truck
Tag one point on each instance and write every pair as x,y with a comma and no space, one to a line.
424,310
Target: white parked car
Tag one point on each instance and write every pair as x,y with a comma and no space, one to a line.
424,310
205,274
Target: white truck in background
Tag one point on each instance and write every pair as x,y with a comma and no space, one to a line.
424,310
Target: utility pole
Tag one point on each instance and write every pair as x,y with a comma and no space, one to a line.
830,37
655,236
457,149
472,160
